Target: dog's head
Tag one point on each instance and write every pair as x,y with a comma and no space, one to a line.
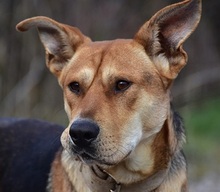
116,93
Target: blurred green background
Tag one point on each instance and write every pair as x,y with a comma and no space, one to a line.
27,89
202,148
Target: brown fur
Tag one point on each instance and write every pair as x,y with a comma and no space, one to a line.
140,139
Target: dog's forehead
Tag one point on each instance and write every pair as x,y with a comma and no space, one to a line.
108,58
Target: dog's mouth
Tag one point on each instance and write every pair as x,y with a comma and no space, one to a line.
91,159
86,158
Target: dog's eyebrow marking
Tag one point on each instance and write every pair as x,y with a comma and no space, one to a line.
87,75
108,73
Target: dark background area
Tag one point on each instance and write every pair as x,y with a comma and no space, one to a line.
27,89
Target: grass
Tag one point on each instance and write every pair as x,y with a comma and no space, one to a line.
202,122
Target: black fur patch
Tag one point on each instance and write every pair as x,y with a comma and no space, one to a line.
27,148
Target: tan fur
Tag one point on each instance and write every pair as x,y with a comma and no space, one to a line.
59,180
138,145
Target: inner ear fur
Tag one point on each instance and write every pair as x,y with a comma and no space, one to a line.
164,34
60,41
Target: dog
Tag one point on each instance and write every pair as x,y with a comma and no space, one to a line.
123,134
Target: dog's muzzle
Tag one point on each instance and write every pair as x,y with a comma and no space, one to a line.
83,133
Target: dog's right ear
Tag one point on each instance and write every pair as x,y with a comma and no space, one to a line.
164,34
60,41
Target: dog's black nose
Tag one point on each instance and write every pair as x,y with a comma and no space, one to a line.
83,132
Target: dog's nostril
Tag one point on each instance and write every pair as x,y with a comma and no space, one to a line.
88,136
83,132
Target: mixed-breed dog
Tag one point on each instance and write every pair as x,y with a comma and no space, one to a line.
123,134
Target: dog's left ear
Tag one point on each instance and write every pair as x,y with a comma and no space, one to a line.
60,41
163,35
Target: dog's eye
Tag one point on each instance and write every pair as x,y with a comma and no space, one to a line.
74,87
122,85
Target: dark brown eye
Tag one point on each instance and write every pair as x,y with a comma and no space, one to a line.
74,87
122,85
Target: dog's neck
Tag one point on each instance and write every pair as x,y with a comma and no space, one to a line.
136,167
84,178
145,169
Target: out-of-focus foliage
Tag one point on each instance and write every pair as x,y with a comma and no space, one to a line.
202,149
28,89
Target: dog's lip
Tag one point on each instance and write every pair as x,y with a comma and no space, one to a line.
89,159
127,155
85,158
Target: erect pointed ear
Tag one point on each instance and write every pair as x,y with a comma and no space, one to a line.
163,35
60,41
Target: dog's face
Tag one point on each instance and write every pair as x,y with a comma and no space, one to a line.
114,98
116,93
